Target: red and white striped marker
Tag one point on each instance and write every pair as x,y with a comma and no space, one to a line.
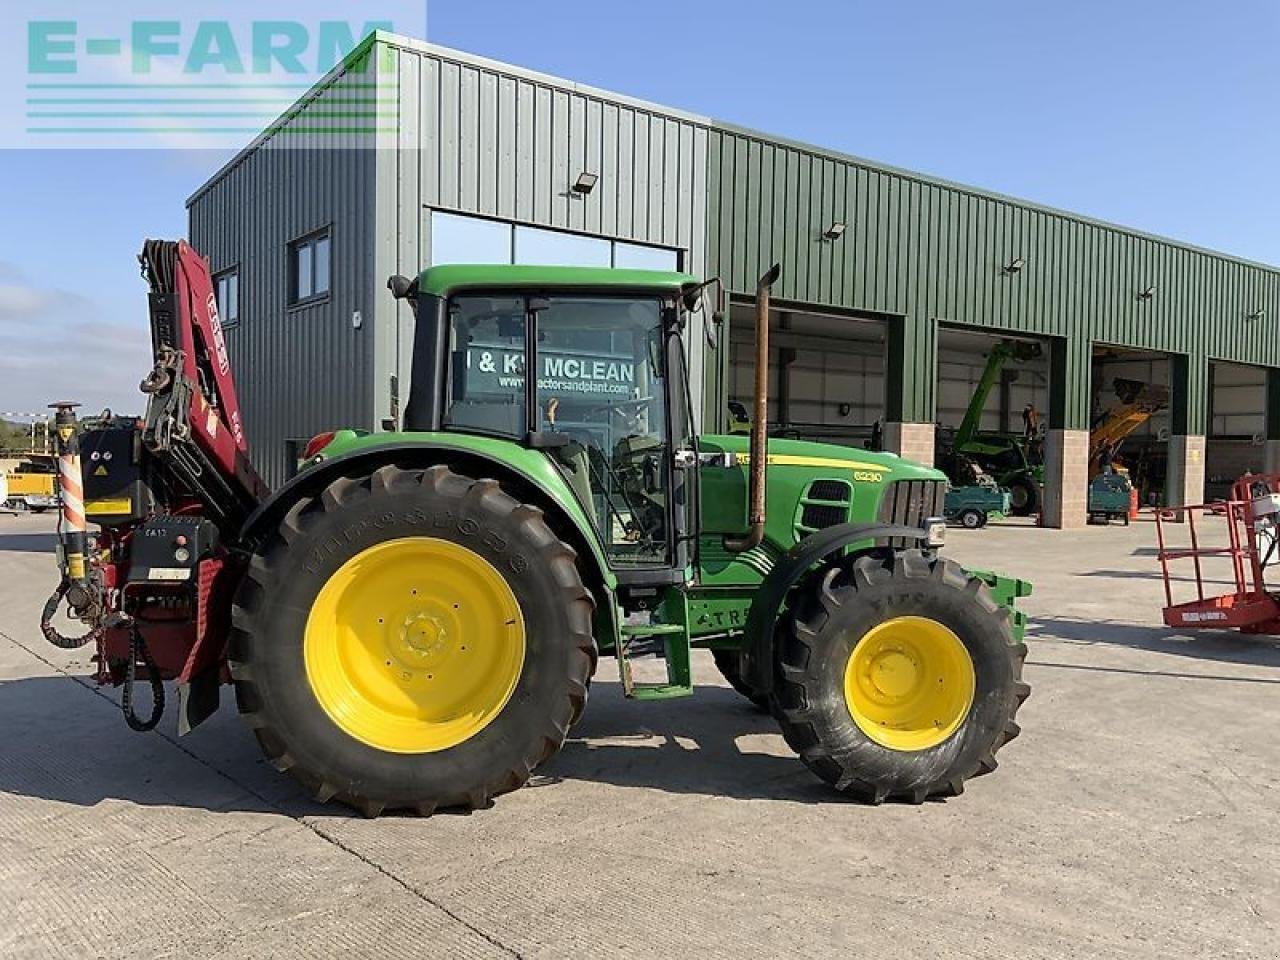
71,487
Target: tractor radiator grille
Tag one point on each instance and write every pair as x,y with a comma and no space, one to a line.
910,503
817,516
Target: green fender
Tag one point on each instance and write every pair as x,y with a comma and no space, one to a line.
353,454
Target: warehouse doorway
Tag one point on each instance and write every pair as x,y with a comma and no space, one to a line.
992,397
1236,440
1129,432
826,373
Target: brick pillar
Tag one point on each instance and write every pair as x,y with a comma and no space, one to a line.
1066,479
1184,482
911,441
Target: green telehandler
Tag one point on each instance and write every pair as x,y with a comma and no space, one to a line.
1013,461
413,621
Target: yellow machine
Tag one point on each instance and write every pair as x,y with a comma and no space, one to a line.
31,484
1138,402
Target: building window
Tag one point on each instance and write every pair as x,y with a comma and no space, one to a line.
461,239
556,248
456,239
636,256
226,290
309,268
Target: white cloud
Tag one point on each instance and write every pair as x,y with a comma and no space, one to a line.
51,349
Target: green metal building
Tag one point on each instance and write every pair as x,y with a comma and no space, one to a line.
884,271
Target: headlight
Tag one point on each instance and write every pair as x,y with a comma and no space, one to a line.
182,555
935,532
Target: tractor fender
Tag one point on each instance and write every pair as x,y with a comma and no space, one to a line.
544,487
787,573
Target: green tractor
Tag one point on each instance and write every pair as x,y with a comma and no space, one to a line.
415,618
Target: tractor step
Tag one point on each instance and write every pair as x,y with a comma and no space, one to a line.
675,652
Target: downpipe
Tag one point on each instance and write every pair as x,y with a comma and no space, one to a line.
759,424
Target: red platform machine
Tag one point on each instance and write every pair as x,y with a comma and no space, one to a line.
1252,515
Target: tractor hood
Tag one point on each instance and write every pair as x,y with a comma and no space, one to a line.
807,455
809,486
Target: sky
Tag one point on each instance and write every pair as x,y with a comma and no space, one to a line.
1156,115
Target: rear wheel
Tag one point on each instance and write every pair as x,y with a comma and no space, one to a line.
971,518
412,640
900,679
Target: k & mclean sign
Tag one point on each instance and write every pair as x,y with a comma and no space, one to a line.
495,369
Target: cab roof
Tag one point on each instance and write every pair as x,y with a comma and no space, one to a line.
442,280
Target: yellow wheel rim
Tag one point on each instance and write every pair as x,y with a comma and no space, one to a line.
909,683
414,645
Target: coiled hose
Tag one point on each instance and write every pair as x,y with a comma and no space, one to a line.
137,650
50,631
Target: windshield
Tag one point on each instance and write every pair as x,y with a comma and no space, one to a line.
601,385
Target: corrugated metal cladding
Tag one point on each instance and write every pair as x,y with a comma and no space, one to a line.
483,138
299,370
472,136
928,252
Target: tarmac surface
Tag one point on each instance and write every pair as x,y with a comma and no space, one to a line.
1137,816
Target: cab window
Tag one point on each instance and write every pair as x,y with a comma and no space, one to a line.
486,365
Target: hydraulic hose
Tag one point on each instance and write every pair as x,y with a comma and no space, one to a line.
138,648
51,633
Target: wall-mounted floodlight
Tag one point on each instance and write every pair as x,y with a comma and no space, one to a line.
835,231
1014,265
1148,293
1257,314
585,183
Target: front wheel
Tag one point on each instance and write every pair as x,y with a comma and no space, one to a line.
899,679
412,639
730,663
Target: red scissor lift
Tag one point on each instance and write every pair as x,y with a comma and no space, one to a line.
1252,515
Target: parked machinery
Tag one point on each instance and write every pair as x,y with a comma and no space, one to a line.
1111,489
1249,549
30,485
1014,461
413,621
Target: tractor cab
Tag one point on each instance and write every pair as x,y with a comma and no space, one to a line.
608,402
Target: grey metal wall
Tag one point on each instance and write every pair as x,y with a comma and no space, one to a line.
484,138
468,135
299,370
928,251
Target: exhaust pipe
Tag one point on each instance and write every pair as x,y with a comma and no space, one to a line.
759,423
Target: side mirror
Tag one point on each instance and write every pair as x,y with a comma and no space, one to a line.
713,325
401,287
695,299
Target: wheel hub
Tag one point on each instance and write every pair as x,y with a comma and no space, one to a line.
909,683
414,645
422,635
893,674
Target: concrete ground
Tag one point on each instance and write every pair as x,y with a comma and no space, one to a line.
1138,815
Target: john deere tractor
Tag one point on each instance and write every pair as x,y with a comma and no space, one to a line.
413,621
